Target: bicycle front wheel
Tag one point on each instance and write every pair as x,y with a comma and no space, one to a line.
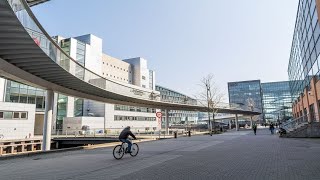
118,152
134,150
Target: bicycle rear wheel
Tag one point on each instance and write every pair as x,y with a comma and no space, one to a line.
118,152
134,149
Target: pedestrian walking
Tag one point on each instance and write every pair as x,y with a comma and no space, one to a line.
254,127
271,128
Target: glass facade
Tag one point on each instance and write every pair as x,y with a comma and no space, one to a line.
21,93
61,110
150,79
80,58
304,57
277,101
78,107
243,91
178,116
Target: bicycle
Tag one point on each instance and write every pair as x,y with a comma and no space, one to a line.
120,150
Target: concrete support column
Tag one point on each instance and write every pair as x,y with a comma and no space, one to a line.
47,121
166,125
230,123
237,124
251,122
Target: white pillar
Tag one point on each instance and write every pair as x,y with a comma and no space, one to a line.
230,122
251,122
47,121
237,124
166,111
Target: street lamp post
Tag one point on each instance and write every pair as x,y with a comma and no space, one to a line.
209,122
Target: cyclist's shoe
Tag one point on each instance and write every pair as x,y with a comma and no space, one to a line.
129,152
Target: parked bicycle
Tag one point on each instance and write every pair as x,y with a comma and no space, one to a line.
120,150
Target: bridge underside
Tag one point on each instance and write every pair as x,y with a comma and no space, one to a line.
22,60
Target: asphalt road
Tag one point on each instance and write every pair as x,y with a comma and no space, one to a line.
233,155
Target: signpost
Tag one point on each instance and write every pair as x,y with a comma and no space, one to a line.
159,115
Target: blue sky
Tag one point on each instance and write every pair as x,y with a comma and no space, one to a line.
184,40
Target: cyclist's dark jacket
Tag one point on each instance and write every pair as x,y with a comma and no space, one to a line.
125,134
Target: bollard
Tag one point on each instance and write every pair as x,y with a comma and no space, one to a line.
175,134
189,133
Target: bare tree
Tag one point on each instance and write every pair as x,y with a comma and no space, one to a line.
210,97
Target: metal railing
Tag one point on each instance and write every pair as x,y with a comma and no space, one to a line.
52,49
295,123
63,59
140,132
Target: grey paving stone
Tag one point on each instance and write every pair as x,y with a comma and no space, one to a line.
233,155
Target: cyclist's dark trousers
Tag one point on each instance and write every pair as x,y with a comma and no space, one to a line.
255,131
127,141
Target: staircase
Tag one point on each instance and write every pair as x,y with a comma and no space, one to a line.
301,128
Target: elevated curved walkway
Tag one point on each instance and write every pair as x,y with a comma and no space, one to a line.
29,55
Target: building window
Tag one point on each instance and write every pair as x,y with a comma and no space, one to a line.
24,115
7,115
144,86
78,107
143,77
16,115
13,115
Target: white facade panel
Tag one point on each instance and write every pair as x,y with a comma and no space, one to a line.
2,89
17,128
93,52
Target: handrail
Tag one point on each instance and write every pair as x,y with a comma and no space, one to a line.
293,124
44,32
66,62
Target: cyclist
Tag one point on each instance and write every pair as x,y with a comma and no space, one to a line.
123,137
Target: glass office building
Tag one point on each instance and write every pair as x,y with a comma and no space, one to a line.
243,91
305,50
277,101
178,116
272,98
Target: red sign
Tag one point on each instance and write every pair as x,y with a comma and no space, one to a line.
159,114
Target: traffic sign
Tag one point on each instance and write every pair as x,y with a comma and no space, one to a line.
159,114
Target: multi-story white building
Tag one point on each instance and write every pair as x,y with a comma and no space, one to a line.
87,50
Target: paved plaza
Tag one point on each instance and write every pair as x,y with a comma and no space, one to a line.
232,155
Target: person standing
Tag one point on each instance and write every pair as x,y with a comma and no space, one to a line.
254,127
271,128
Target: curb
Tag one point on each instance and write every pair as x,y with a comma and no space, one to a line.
90,147
30,154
